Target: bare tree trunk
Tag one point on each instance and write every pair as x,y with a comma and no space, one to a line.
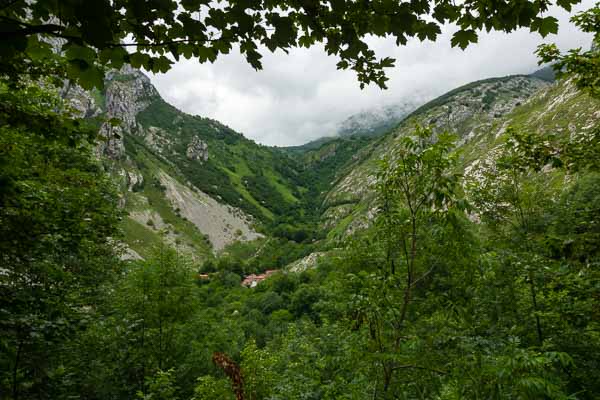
535,308
409,270
15,372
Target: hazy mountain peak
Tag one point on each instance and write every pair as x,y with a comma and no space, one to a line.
377,120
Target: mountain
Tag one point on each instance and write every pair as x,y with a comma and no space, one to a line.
192,180
546,73
479,113
201,186
376,121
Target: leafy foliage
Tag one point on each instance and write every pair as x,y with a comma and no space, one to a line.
584,66
57,213
441,298
97,35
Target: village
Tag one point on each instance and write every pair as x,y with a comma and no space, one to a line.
250,281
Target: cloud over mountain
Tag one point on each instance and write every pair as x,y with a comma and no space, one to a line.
302,96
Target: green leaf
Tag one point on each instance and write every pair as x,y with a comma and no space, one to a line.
205,54
163,64
138,59
76,52
387,62
118,56
463,38
91,77
38,50
545,26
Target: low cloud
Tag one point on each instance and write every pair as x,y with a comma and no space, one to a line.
301,96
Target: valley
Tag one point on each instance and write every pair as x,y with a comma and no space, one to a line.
297,254
445,249
201,187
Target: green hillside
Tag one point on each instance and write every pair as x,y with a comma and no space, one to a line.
447,250
399,268
474,112
255,178
159,154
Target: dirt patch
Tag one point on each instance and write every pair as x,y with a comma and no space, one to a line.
223,224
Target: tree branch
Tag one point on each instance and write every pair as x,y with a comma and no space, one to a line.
419,367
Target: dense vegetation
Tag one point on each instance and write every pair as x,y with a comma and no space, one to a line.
482,286
96,35
425,304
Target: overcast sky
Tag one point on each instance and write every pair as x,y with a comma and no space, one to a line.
301,96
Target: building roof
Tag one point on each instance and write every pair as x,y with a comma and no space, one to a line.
253,279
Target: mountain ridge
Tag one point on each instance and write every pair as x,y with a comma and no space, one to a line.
201,186
539,106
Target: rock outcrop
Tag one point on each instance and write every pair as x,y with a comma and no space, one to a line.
197,150
81,101
128,92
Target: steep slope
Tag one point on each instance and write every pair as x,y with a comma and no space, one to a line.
323,165
191,181
479,114
221,162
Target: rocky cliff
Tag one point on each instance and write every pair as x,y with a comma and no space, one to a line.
479,114
163,204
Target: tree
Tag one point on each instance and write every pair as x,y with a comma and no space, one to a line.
150,308
98,33
418,190
583,65
58,211
512,198
160,387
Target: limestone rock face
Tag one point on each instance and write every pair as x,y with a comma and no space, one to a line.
80,100
197,150
111,142
128,92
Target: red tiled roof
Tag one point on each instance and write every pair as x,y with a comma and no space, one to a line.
253,279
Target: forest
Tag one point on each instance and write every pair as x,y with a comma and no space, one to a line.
469,283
